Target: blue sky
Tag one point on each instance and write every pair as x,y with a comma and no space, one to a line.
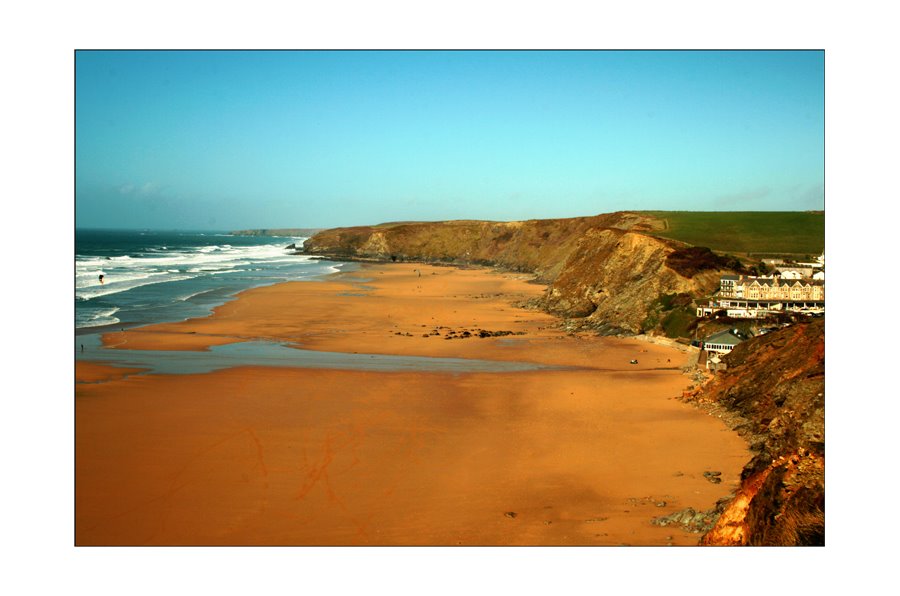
228,140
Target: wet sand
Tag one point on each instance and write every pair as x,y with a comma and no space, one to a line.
258,455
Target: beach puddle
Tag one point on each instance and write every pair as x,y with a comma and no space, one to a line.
276,354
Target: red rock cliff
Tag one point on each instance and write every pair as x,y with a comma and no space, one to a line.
774,394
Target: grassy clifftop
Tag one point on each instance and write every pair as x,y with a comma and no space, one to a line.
770,232
736,232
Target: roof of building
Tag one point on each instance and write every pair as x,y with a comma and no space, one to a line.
746,280
723,337
786,281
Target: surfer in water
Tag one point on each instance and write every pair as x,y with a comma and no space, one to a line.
101,278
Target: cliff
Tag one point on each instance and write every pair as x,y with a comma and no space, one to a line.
613,277
604,272
539,246
773,394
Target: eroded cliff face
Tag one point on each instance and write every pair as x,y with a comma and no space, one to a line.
603,272
773,393
538,246
613,276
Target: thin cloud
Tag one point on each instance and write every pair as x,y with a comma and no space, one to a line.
739,199
147,189
813,197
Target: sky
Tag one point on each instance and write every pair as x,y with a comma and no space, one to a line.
233,140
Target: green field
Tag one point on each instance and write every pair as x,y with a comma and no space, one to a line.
758,232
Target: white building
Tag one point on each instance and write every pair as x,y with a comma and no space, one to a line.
820,262
732,285
798,271
721,342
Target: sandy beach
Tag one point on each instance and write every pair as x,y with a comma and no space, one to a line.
583,452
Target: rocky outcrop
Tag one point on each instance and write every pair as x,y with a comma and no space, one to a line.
773,394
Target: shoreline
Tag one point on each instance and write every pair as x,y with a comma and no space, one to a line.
259,455
100,329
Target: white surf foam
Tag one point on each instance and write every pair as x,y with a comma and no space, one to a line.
92,278
91,292
154,266
99,317
187,297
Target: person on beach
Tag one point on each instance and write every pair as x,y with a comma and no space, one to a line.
101,278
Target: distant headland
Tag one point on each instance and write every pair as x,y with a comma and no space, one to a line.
278,232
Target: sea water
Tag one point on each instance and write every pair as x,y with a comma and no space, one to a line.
155,276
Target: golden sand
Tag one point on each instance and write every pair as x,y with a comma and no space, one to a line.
252,455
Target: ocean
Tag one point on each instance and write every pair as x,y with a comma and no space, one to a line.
156,276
